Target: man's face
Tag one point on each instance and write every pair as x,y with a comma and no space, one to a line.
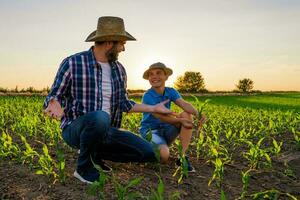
114,48
157,78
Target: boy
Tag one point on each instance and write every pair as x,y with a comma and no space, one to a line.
165,128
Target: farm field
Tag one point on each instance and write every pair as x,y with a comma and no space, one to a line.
248,149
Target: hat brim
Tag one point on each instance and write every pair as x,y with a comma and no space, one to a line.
167,70
102,38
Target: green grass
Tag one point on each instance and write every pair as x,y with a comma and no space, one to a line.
274,101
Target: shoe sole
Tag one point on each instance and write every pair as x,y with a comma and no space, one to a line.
76,175
192,171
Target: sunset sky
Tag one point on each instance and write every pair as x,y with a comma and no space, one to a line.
224,40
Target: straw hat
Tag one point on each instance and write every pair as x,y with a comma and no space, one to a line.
158,65
110,29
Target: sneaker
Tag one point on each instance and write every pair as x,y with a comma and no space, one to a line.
191,169
104,166
87,176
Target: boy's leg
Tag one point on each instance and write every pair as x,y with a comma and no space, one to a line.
185,134
158,140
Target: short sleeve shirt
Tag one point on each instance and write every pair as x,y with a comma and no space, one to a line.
151,97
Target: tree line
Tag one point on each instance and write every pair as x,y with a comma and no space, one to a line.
189,82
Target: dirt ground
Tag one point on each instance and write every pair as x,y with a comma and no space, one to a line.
19,182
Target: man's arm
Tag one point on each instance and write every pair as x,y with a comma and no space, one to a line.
158,108
186,106
52,104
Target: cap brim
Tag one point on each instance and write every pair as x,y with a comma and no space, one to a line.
167,70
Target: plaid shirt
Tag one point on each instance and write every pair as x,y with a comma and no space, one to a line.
77,86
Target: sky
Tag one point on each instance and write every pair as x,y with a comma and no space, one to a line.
224,40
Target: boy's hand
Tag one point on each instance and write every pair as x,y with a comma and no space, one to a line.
202,121
54,110
186,123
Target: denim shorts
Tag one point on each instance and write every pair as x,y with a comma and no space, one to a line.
165,135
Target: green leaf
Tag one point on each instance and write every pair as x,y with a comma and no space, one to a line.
223,197
40,172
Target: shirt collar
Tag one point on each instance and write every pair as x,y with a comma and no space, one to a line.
93,61
155,94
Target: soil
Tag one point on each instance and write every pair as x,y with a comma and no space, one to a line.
19,182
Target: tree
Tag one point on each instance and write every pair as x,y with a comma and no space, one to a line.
245,85
190,82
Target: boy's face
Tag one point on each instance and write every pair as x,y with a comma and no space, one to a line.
157,78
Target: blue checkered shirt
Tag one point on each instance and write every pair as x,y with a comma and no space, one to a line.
77,86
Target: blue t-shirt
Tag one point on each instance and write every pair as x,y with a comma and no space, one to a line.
151,97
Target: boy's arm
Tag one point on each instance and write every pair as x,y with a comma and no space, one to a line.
176,121
186,106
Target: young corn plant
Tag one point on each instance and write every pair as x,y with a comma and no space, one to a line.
255,155
272,194
218,172
200,118
46,164
159,193
97,187
197,123
276,147
183,168
200,143
245,181
155,146
61,163
8,149
28,154
123,192
296,137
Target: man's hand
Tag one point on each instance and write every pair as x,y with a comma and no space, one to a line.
54,109
160,108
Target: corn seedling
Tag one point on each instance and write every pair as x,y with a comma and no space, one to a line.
46,164
159,193
183,168
255,155
123,192
97,187
28,154
272,194
7,147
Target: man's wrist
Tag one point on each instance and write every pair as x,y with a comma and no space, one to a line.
151,109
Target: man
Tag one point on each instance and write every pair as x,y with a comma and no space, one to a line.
166,128
89,96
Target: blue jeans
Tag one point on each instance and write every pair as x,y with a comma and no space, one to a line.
96,139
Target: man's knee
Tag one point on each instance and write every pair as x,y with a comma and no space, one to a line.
164,153
149,155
